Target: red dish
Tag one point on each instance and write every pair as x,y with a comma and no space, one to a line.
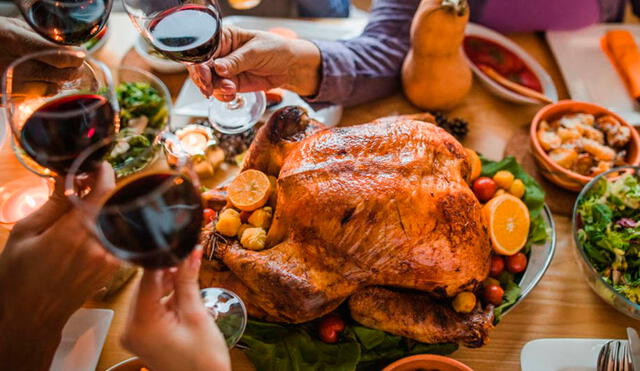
486,52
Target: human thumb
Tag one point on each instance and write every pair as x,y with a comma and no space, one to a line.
186,282
234,63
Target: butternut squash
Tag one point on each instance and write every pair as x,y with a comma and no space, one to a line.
435,74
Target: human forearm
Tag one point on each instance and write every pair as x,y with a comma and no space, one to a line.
304,74
367,67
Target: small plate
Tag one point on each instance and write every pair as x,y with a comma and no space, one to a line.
82,340
3,126
587,71
561,354
191,102
548,88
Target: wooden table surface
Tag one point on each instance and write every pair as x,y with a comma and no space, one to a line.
562,305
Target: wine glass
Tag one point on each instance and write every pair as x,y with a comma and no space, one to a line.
153,219
189,31
53,122
66,22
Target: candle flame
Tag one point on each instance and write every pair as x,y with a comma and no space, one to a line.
30,201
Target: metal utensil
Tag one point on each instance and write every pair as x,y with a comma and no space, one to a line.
634,347
614,356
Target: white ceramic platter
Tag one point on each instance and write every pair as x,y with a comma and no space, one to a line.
587,71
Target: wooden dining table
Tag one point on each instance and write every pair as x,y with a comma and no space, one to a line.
561,306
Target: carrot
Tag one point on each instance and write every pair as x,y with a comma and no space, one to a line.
623,52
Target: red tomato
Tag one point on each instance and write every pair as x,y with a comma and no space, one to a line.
497,265
330,327
493,294
516,263
484,188
208,215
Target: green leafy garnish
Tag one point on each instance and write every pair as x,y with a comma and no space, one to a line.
609,232
143,115
273,347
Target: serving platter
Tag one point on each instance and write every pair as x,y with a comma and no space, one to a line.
539,260
588,73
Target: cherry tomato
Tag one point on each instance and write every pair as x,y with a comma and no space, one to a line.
330,327
484,188
516,263
208,215
493,294
497,265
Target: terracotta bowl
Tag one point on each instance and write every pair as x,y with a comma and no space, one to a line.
427,362
557,174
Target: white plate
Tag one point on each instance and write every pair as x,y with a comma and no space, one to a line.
82,340
191,102
548,88
561,354
335,29
587,71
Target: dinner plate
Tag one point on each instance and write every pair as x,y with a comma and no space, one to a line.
327,30
588,72
561,354
548,88
82,340
192,103
539,260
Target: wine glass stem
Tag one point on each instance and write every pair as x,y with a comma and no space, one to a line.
236,103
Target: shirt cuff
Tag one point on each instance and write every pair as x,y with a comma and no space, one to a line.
337,74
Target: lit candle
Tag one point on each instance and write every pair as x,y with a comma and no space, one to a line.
21,197
194,142
200,144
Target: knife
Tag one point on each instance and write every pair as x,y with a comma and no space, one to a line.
634,347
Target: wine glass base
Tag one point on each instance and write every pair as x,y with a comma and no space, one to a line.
239,115
228,311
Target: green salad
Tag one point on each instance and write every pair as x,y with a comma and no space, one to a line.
609,232
299,347
143,115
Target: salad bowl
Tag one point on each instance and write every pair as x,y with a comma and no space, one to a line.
600,221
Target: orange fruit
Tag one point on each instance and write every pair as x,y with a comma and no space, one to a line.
476,164
507,220
250,190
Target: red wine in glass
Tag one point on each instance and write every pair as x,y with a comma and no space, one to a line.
188,33
67,22
152,220
57,132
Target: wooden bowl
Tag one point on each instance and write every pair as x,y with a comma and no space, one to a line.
557,174
427,362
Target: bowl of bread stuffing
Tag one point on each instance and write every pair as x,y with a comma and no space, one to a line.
573,142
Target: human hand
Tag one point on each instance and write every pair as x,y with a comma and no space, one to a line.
49,267
175,332
18,39
249,60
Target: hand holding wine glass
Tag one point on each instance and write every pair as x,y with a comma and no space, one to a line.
174,332
49,267
18,40
249,60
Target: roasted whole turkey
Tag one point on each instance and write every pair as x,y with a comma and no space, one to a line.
379,215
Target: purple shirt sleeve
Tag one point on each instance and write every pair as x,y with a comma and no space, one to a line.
367,67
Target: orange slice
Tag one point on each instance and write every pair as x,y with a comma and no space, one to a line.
476,164
507,219
250,190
